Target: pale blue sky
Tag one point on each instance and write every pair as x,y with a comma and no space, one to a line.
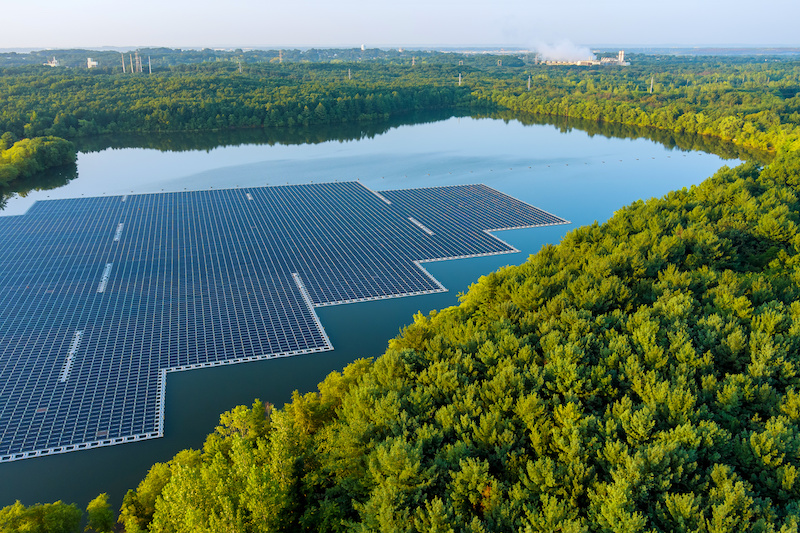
375,23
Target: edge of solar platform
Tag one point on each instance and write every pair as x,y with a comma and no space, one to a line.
441,288
325,345
80,446
462,185
160,407
248,359
447,186
563,220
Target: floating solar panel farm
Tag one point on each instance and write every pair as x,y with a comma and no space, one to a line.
101,297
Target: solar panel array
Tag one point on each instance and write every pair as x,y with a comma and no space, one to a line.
101,297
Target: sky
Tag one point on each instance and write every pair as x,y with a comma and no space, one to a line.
43,24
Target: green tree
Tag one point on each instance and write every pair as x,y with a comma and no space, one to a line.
7,140
101,517
55,517
139,506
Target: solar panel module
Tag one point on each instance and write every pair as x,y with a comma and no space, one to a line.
101,297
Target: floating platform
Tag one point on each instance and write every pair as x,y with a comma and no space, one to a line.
101,297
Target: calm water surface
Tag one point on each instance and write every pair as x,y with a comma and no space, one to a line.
576,176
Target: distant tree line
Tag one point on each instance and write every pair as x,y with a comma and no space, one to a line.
211,97
753,104
159,59
669,138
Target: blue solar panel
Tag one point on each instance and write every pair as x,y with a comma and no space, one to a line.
101,297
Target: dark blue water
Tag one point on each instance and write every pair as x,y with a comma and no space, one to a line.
573,175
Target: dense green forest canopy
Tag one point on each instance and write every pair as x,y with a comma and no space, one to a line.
211,96
745,105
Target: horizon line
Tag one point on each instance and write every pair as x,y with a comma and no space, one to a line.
421,47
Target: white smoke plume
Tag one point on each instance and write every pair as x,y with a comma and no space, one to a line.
564,51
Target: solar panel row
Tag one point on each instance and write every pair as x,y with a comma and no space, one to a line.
101,297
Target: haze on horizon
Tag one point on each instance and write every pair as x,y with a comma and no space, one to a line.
40,24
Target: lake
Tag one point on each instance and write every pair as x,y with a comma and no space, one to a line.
583,177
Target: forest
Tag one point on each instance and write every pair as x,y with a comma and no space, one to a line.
748,103
641,375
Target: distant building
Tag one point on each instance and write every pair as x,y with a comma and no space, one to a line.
619,60
53,62
90,63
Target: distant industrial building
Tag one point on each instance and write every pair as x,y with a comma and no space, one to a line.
619,60
91,63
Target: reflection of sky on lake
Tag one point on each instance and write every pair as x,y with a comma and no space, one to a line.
571,174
